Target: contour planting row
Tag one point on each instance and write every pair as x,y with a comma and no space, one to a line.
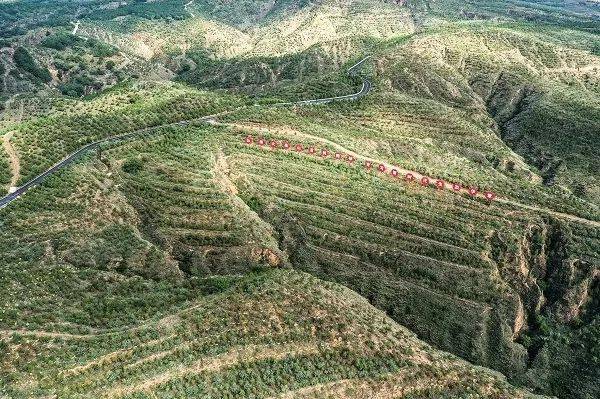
135,367
447,320
357,230
328,210
483,158
359,139
221,337
369,165
336,220
444,277
398,203
392,168
327,202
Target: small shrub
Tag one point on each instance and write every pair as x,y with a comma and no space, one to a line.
133,165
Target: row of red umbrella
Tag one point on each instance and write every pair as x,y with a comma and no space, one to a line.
369,165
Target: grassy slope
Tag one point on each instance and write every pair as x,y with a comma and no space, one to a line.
186,205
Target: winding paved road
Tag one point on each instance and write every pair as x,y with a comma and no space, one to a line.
75,155
352,71
365,89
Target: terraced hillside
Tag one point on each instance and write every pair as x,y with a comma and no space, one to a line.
454,270
151,267
196,202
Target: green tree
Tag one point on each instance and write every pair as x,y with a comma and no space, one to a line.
25,61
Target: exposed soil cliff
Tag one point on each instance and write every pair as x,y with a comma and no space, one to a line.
558,292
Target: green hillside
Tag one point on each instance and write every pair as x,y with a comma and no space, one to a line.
543,97
196,202
185,262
